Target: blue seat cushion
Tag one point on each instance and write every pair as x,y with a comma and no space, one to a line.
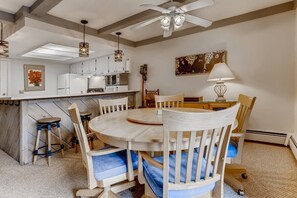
232,149
154,177
107,166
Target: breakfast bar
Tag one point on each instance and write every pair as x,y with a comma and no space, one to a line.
18,116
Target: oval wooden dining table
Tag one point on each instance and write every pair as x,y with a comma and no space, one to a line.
136,129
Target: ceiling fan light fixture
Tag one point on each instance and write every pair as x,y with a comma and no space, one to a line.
3,45
118,54
165,22
179,20
84,47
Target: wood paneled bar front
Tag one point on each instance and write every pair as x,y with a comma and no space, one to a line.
18,118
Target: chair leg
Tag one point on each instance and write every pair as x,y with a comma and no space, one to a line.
61,141
234,183
88,192
49,146
235,169
37,144
105,193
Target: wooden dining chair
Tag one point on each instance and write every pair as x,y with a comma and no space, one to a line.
169,101
113,105
150,97
106,167
236,145
188,173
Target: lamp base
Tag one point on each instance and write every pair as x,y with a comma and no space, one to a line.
220,99
220,88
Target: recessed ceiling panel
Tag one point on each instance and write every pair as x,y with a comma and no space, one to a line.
99,13
12,6
52,51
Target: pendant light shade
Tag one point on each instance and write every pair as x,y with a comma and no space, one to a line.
118,54
84,46
3,45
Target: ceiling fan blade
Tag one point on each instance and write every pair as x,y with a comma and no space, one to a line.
145,23
198,21
169,32
156,8
196,5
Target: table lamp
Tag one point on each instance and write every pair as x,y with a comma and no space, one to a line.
220,73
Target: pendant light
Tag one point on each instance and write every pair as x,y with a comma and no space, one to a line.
3,45
84,46
118,54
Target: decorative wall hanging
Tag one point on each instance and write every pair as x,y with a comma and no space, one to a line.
34,78
200,63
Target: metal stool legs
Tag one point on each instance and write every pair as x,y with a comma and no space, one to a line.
48,145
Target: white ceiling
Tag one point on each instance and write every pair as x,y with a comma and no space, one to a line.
12,6
105,12
99,13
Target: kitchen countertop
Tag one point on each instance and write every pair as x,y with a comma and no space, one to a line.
64,96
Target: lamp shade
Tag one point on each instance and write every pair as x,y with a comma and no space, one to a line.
220,72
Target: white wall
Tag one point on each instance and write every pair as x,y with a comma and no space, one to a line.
16,77
259,52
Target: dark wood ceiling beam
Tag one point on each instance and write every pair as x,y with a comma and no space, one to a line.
224,22
6,17
137,18
41,7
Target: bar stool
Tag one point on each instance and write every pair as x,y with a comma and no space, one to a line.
85,118
48,124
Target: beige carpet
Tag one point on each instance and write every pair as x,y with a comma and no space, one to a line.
272,173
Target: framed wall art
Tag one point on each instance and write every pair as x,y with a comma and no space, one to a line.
34,77
200,63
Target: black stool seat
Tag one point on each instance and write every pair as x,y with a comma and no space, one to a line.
49,120
85,114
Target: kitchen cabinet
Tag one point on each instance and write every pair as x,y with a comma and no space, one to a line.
85,67
92,66
111,64
100,66
104,63
3,78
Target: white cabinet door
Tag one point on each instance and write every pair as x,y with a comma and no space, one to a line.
3,78
111,64
79,68
120,67
86,67
104,63
99,67
73,68
93,66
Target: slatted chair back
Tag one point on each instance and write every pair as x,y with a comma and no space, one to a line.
112,105
246,106
170,101
83,142
193,130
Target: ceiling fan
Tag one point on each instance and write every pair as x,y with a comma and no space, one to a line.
174,16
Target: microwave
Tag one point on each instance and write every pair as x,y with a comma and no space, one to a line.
117,79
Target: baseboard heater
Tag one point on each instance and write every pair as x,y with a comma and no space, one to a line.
264,136
293,145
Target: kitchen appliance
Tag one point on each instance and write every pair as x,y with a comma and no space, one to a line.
117,79
71,84
94,90
116,88
96,82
